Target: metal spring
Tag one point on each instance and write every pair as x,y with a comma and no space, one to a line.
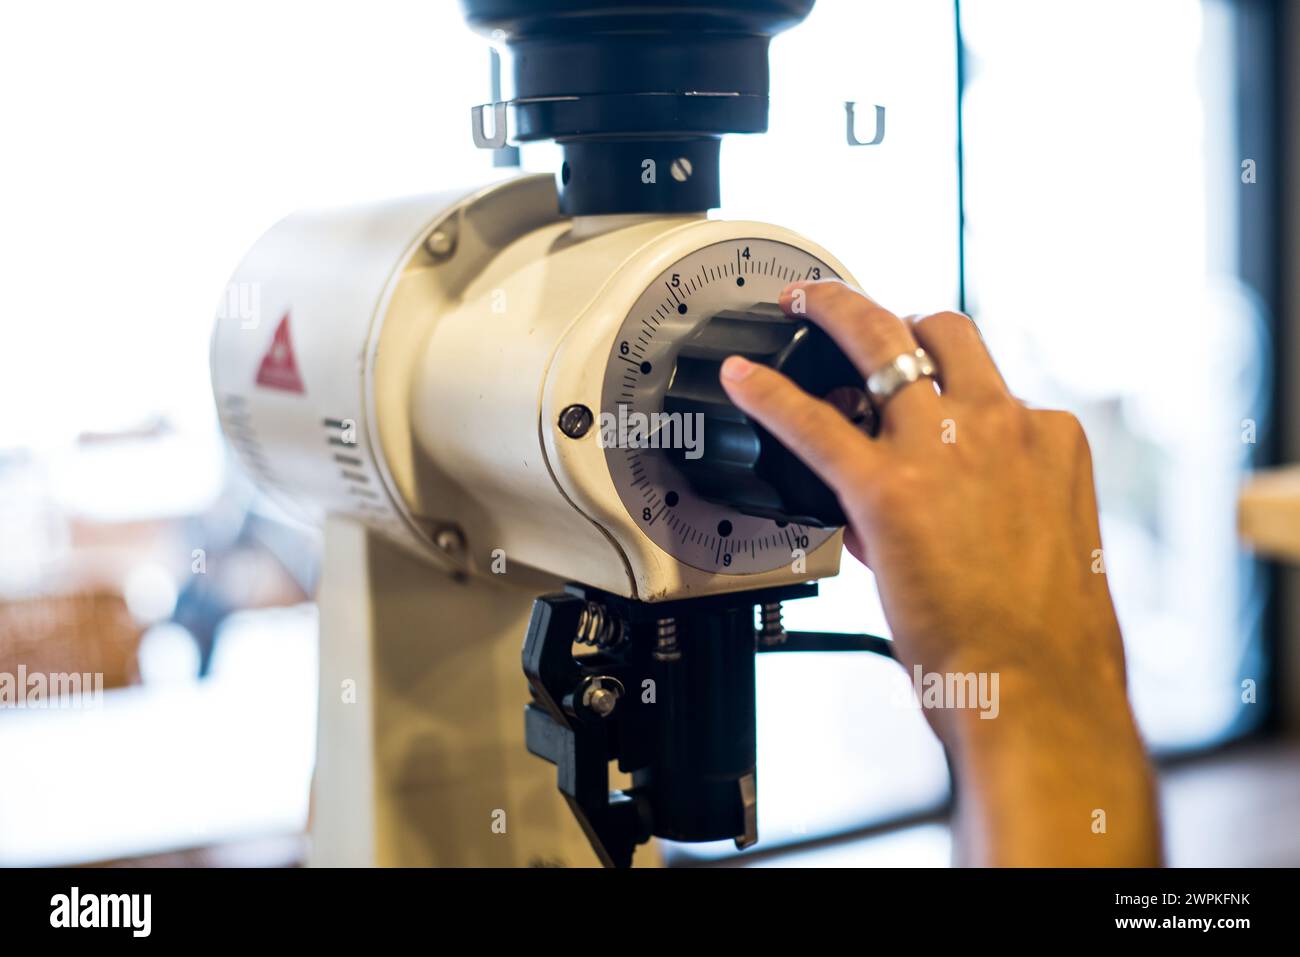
771,630
666,640
598,628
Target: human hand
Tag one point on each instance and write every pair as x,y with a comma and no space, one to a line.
979,519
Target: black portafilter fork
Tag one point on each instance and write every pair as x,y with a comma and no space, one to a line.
668,692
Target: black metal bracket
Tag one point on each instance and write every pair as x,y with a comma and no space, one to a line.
822,641
668,692
563,729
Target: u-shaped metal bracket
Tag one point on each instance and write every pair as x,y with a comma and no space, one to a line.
851,125
499,132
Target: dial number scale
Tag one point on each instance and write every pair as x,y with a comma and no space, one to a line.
735,274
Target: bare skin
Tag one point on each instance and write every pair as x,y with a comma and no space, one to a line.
978,517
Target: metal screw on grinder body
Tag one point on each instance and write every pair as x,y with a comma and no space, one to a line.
441,244
575,420
450,540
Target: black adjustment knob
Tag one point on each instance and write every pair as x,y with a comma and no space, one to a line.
741,464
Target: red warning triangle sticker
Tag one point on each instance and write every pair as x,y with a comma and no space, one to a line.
279,370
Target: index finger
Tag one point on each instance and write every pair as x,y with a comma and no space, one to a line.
810,428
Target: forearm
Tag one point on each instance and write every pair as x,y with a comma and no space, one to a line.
1057,779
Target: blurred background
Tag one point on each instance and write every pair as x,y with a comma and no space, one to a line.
1113,218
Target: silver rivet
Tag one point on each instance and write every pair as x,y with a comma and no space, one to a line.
440,244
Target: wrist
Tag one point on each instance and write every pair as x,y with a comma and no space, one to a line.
1084,715
1059,776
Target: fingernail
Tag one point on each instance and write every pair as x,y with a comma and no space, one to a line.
790,288
736,368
